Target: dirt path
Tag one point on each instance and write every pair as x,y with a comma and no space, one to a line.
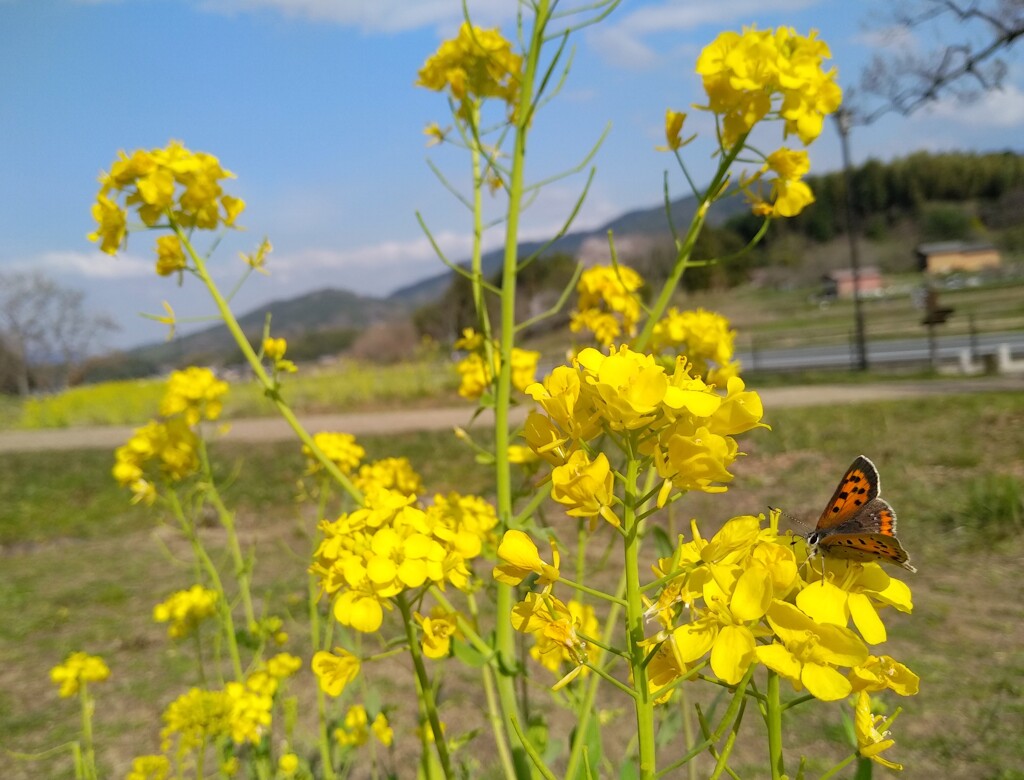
401,421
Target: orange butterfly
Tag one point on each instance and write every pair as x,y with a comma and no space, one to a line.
857,525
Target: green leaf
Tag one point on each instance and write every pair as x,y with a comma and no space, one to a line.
537,733
592,751
468,654
662,544
629,771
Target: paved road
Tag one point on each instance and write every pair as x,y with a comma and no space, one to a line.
913,349
401,421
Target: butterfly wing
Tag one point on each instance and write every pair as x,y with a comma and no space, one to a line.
858,487
869,535
864,547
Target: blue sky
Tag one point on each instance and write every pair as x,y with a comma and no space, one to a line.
311,103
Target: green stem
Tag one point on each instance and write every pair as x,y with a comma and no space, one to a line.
227,520
773,709
89,753
426,689
531,751
644,704
598,594
505,642
684,251
197,641
224,606
839,767
323,738
586,708
731,714
269,385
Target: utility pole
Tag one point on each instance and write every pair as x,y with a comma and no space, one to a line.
844,121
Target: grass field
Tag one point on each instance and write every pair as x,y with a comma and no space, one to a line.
82,569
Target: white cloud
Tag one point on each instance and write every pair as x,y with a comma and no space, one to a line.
893,38
624,43
90,265
373,16
374,269
995,108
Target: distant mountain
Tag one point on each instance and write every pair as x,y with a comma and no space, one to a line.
333,310
326,309
650,224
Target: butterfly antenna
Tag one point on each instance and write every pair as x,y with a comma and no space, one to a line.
793,520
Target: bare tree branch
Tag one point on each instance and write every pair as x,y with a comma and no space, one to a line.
964,68
45,330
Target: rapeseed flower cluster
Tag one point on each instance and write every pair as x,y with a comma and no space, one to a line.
477,371
241,711
165,186
391,544
746,597
340,448
166,449
475,65
274,350
766,74
676,419
704,337
608,304
787,195
152,767
391,473
77,669
194,393
760,74
558,629
356,728
185,610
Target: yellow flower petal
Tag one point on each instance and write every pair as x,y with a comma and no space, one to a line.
865,617
752,595
777,658
693,640
732,653
824,682
823,602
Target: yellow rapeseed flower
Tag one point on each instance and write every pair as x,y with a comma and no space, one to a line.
390,473
196,718
768,74
185,610
195,394
78,669
153,767
871,743
809,652
879,673
586,487
673,129
335,670
171,184
170,257
288,765
520,558
475,65
356,728
438,630
704,338
608,304
340,448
